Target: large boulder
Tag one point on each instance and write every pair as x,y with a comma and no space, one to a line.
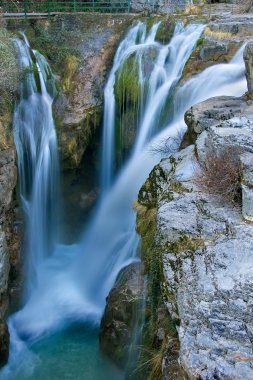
248,58
118,322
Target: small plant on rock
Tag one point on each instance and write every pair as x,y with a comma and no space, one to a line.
219,174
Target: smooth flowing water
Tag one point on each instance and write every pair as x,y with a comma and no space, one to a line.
36,146
63,310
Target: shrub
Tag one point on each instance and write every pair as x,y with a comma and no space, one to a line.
192,9
220,173
217,34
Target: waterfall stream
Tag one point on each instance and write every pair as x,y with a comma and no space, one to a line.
70,283
36,146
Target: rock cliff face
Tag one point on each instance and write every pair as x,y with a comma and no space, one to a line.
78,110
80,50
248,57
221,39
206,246
9,236
160,6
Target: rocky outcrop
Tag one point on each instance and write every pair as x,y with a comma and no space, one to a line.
220,40
206,248
9,236
205,241
207,259
158,6
248,57
80,49
246,167
78,109
118,322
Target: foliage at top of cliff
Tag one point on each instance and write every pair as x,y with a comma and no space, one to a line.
56,40
9,68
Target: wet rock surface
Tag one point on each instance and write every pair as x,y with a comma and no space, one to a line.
4,343
78,110
9,235
117,324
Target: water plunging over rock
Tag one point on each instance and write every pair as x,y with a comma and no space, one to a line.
35,140
71,283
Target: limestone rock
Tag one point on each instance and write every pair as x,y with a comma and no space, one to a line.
207,248
248,58
214,111
160,6
246,161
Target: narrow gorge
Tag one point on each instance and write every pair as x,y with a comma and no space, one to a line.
126,182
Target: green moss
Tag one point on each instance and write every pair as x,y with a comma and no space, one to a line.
186,244
74,139
148,193
56,42
146,227
200,41
177,187
127,94
127,87
165,31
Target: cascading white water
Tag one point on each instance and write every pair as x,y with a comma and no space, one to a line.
36,145
73,283
136,39
167,70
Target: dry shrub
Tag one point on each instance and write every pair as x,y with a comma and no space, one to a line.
220,174
192,9
217,34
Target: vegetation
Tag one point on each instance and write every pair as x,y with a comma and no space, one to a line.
217,34
220,174
185,244
127,94
9,68
59,44
192,9
153,347
127,88
165,31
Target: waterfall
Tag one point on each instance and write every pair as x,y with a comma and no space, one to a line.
73,282
166,71
136,39
36,146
